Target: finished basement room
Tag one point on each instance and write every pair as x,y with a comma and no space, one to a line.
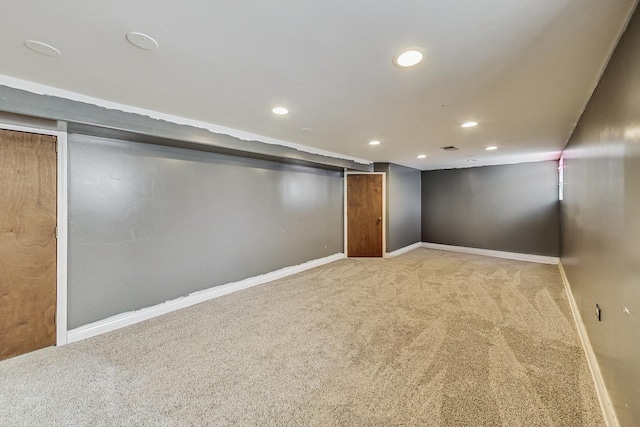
300,213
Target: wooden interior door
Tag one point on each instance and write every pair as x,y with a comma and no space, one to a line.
364,215
27,242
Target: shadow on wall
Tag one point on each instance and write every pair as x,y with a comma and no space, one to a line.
528,234
512,208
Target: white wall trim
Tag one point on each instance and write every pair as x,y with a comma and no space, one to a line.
345,220
61,249
603,395
403,250
126,319
540,259
41,89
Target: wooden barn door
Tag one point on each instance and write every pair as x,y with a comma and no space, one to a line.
364,215
27,242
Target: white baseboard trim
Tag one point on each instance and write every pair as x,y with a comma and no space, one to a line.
540,259
603,395
403,250
126,319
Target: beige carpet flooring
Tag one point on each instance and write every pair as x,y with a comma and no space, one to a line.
427,338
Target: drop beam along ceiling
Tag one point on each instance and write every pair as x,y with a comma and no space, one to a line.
523,69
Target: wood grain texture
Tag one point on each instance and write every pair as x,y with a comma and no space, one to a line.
364,215
27,242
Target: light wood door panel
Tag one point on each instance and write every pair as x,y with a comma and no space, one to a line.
27,242
364,215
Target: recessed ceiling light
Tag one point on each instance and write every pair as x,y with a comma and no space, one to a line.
409,58
422,156
42,48
492,147
374,142
469,124
142,41
281,111
306,130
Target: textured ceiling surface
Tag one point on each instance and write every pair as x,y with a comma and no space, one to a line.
523,70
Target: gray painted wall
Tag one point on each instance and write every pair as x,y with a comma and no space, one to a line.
601,223
511,208
403,205
150,223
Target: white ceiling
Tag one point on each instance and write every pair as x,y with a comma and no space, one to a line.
523,69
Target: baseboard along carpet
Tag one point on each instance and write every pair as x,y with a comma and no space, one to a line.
423,339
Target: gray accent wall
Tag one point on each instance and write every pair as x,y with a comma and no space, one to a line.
403,205
151,223
601,223
511,208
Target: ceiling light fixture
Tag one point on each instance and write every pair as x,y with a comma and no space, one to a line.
142,41
491,147
42,48
281,111
469,124
408,58
374,142
422,156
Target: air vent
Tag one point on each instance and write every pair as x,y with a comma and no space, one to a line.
450,148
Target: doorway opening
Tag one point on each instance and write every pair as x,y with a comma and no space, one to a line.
365,216
33,239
